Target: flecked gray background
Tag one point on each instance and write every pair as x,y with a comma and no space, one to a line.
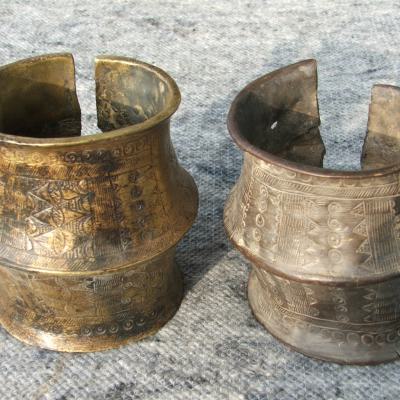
213,348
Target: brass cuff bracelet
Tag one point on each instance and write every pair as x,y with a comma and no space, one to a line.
89,224
324,244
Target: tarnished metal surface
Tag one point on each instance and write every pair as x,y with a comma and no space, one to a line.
89,224
324,244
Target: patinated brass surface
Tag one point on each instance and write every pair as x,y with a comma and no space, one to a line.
324,244
89,224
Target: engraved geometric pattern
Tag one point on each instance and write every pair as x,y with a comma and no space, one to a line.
50,220
296,227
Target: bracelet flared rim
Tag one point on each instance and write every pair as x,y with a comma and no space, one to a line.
162,116
243,143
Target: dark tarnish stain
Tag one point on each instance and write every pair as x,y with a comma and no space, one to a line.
111,164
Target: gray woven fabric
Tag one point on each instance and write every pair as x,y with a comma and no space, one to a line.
213,348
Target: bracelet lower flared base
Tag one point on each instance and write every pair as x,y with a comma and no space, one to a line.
91,311
100,340
343,343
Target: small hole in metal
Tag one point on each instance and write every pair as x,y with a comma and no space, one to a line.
274,125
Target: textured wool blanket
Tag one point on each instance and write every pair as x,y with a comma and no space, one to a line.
213,348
